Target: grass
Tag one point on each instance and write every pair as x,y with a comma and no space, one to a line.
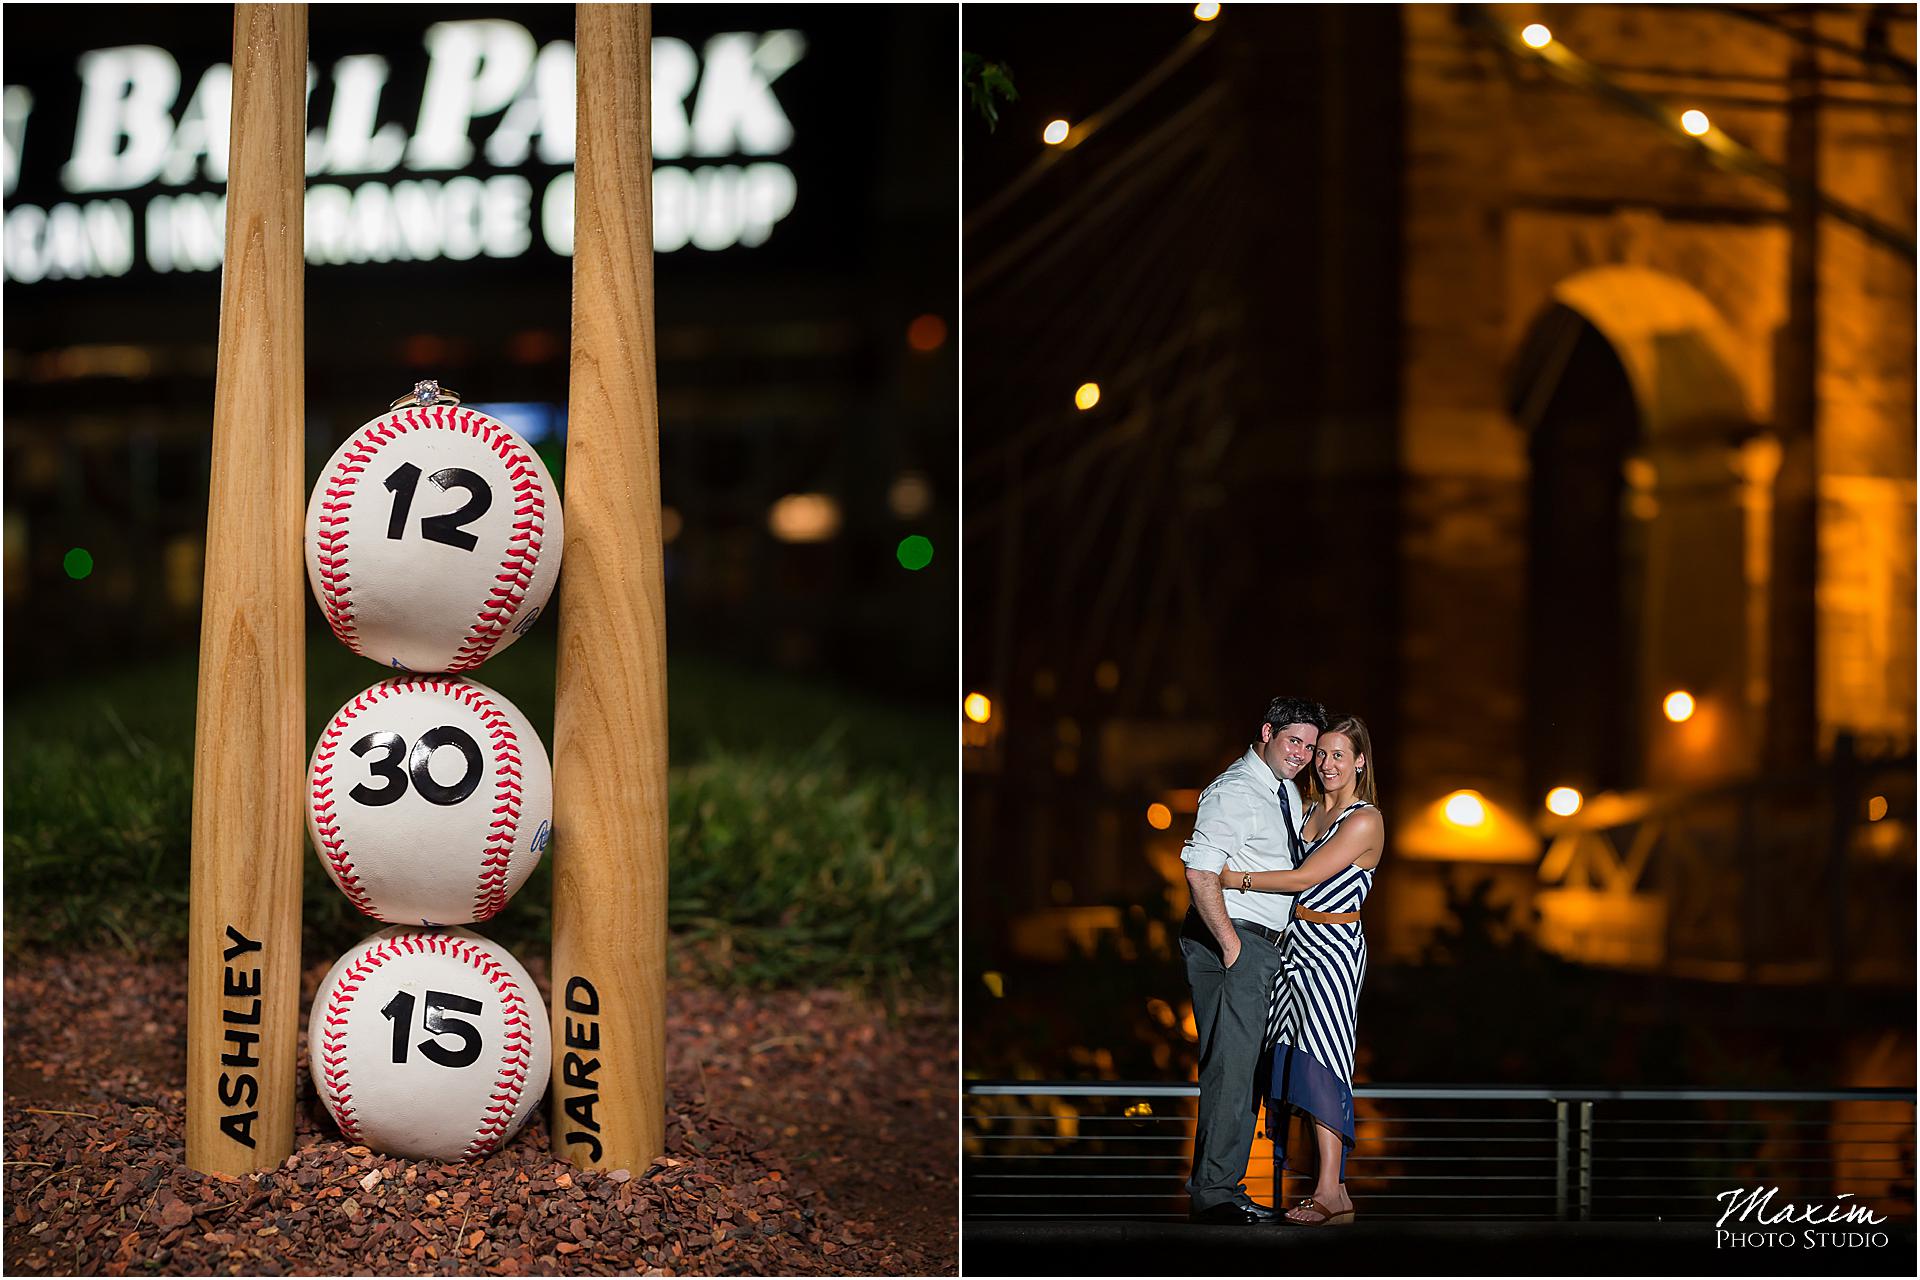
813,833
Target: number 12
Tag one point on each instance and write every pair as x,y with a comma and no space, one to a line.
443,529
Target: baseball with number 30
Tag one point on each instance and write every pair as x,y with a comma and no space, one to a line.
429,800
433,538
431,1044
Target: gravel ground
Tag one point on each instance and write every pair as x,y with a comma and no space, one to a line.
808,1133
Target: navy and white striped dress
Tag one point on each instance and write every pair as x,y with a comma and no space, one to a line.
1310,1019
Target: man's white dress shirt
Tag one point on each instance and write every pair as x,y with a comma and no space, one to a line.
1241,822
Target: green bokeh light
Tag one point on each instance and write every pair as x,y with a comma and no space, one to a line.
915,552
79,563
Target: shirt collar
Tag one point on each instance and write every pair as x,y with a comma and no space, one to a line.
1261,771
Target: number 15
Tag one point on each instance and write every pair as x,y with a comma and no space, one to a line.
436,1021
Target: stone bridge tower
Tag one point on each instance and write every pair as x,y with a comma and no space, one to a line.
1659,416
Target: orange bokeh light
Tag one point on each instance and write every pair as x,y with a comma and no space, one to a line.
927,333
534,346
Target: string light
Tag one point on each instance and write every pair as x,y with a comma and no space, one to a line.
1564,801
1055,133
1678,706
1159,817
1206,11
1086,396
1695,122
979,708
1537,36
1465,809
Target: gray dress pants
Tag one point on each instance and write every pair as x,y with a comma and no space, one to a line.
1230,1014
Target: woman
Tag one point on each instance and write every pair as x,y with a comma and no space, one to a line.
1324,960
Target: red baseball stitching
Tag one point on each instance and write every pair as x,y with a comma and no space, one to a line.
516,564
516,1042
523,544
490,892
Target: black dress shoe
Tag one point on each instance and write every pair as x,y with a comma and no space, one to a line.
1243,1213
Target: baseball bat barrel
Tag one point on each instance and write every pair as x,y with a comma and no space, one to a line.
243,954
610,715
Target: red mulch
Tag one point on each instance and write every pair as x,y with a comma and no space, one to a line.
807,1133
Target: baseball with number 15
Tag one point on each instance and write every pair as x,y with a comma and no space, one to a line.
429,1044
433,536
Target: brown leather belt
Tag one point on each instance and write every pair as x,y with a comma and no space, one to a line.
1325,917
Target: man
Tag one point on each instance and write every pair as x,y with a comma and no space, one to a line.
1249,816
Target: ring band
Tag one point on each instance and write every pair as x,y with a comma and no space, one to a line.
425,393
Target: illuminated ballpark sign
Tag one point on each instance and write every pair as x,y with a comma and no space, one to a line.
715,111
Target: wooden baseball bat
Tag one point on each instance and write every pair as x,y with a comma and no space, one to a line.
610,713
243,953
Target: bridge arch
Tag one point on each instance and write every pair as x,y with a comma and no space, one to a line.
1650,497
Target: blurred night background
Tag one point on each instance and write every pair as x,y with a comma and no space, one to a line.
805,186
1386,356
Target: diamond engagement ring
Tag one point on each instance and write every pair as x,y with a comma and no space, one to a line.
427,392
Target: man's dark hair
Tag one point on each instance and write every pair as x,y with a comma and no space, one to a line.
1282,712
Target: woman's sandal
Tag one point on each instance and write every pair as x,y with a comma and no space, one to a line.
1327,1217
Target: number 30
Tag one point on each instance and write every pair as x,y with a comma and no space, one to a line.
388,766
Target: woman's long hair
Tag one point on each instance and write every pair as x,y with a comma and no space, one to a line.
1366,786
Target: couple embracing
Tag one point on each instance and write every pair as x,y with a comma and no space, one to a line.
1275,955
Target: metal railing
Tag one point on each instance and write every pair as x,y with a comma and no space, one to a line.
1122,1150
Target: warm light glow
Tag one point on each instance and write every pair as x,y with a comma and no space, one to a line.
979,708
1056,133
1141,1110
804,517
1564,801
1086,395
909,496
1159,817
1464,809
995,984
1678,706
670,524
1876,808
1206,11
1695,122
1107,676
1537,36
927,333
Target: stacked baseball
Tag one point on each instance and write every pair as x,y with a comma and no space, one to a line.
433,540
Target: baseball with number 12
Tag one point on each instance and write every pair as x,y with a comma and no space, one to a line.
433,536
